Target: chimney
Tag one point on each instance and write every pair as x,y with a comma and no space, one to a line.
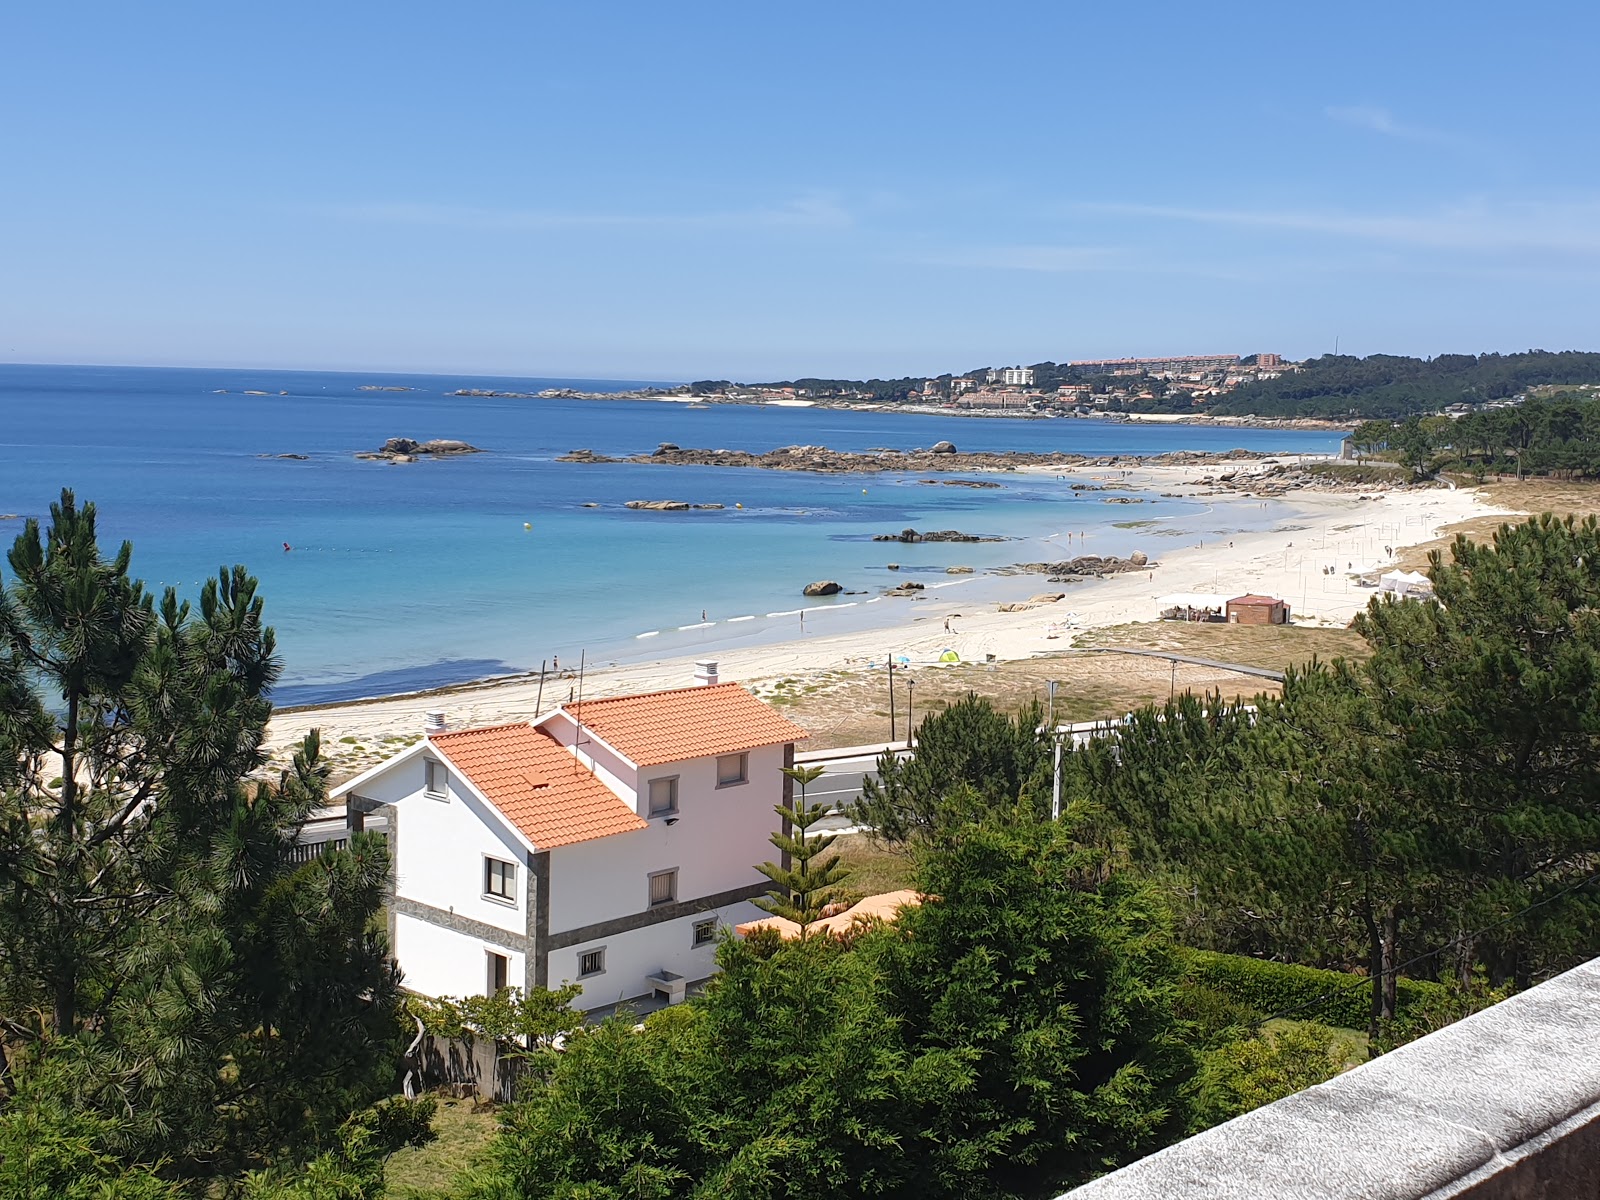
433,722
705,673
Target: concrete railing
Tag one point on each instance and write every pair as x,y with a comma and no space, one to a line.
1504,1105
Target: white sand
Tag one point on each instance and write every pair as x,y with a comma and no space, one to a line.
1334,530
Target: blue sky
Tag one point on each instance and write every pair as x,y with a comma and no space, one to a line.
751,190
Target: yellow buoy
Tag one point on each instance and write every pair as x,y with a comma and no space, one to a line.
738,506
527,525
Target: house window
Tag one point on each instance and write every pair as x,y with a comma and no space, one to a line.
499,879
592,962
434,779
664,796
663,887
705,931
498,973
732,769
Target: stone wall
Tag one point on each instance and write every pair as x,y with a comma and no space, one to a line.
1504,1105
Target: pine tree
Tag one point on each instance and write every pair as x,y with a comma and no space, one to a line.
224,1006
808,877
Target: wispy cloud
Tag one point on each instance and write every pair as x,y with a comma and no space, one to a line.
813,210
1382,121
1570,228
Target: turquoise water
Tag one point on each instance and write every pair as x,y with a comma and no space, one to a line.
412,576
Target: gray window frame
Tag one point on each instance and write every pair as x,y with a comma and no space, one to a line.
650,888
433,767
649,797
583,954
744,770
708,923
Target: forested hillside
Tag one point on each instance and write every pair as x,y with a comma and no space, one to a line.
1387,385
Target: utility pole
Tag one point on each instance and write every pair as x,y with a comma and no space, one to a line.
1055,736
1172,684
891,697
1055,791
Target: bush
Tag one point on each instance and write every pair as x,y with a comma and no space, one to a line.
1262,1068
1267,988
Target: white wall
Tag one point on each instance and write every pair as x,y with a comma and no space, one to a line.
441,844
719,836
442,962
633,955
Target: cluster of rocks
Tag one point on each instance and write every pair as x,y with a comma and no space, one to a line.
1084,566
1032,602
942,456
935,535
908,588
405,450
1281,478
667,505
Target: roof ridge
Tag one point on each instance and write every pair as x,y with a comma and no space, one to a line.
693,687
445,733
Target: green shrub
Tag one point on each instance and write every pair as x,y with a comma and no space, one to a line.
1264,1067
1332,997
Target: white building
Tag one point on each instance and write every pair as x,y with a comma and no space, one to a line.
605,843
1011,376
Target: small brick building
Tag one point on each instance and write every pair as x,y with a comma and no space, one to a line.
1257,610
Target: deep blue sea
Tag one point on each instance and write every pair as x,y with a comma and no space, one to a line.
411,576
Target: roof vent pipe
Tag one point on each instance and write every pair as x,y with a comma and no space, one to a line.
705,673
433,722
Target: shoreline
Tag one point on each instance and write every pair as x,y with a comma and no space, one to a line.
1345,529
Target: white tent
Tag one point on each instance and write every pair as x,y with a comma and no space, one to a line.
1405,583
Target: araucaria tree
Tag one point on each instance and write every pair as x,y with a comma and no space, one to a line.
807,879
163,960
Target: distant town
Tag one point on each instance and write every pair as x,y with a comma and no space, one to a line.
1084,386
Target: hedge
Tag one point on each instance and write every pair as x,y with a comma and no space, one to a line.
1331,997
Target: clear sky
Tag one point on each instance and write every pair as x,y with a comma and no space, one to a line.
756,190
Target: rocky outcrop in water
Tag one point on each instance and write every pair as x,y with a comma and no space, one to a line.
823,587
404,449
825,461
935,535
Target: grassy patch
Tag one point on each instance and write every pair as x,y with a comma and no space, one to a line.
1272,647
873,869
428,1172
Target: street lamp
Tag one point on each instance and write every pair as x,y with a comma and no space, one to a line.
911,724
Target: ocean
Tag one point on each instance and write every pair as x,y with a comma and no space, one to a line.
402,577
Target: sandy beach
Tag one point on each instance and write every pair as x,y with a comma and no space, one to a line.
1308,559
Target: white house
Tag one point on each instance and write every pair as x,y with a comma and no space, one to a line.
605,843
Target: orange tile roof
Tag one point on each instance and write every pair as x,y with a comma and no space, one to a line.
539,786
884,907
693,722
1253,599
